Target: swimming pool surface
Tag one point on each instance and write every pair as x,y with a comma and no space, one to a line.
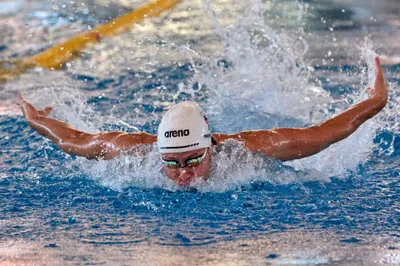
253,65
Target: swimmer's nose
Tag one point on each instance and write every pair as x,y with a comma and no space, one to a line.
185,176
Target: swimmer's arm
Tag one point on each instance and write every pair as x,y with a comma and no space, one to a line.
295,143
72,141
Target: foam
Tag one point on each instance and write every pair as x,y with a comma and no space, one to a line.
259,80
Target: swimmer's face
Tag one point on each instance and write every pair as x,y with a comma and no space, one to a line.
184,167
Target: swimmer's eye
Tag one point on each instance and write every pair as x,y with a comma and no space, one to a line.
170,164
194,162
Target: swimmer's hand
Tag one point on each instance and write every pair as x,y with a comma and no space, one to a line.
29,111
379,91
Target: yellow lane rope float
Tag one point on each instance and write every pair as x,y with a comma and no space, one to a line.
56,56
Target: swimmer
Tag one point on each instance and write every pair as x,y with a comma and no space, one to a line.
185,142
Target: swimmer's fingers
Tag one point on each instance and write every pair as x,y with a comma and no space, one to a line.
45,112
370,91
380,86
21,103
379,71
28,109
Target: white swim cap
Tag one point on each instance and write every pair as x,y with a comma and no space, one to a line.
183,128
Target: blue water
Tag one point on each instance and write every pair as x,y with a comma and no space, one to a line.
340,207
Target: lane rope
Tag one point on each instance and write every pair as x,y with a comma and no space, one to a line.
55,57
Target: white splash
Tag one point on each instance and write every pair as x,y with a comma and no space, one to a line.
269,77
267,70
140,168
233,166
267,81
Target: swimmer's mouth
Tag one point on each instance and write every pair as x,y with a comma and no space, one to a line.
190,181
184,183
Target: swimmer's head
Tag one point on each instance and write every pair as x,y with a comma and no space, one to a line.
183,128
184,141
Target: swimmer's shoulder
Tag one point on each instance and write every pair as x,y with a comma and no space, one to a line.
126,140
219,138
243,136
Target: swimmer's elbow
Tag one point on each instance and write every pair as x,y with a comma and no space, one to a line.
306,142
332,133
90,149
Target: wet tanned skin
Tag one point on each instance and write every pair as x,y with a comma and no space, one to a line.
92,146
280,143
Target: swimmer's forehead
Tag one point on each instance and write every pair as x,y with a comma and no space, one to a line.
173,155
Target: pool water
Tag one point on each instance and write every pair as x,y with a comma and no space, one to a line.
253,65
